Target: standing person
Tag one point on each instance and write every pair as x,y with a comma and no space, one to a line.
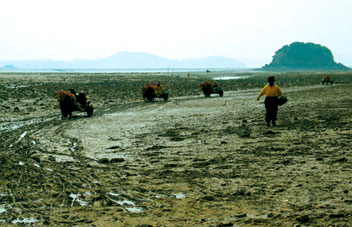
272,92
73,92
158,89
77,106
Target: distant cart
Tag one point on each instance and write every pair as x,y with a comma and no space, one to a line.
70,102
209,87
327,80
149,94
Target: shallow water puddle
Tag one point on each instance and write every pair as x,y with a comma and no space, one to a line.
73,148
12,125
2,210
125,202
24,221
113,194
21,136
19,139
179,195
160,196
134,209
230,77
257,216
111,156
129,205
63,158
121,114
14,86
75,197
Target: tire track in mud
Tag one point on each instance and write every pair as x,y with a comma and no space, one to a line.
70,175
10,130
45,179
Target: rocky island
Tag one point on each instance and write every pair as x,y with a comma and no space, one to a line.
299,56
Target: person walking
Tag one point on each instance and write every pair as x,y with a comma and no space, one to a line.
272,92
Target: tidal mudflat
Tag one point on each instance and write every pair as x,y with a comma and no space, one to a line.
191,161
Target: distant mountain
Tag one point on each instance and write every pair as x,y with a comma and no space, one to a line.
304,56
127,60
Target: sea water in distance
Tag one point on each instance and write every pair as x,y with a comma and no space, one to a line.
131,70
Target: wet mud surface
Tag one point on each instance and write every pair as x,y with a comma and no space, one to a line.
191,161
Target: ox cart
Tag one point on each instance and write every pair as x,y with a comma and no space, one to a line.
209,88
327,80
70,102
149,94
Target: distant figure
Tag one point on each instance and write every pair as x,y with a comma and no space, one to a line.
272,92
82,100
73,92
208,71
158,89
188,75
78,104
327,80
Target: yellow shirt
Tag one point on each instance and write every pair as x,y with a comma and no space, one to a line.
270,91
158,89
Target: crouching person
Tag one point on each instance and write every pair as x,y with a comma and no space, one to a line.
272,92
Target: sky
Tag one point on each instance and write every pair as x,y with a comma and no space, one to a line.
246,30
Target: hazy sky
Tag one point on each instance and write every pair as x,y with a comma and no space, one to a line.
246,30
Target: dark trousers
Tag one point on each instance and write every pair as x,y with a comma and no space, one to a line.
271,108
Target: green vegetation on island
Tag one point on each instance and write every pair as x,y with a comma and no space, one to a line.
304,56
